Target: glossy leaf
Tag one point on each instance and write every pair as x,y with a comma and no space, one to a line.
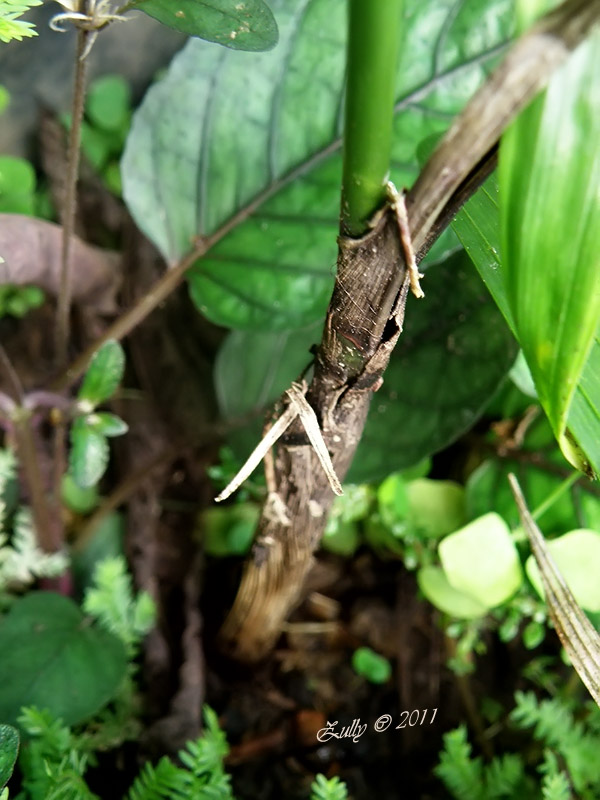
53,658
577,556
9,749
246,25
549,171
481,560
478,228
89,453
81,501
258,136
104,373
438,590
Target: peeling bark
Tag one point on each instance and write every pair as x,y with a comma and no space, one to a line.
358,339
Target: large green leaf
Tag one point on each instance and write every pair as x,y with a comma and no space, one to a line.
238,24
53,658
246,148
478,228
549,172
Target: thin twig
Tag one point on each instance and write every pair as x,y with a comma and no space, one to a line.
12,377
63,310
28,460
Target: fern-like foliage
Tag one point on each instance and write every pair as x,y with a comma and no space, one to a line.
468,778
11,27
569,767
555,784
462,775
112,602
51,761
201,777
504,776
554,724
21,560
332,789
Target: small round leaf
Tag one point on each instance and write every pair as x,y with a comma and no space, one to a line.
482,560
371,665
108,102
436,588
577,556
436,507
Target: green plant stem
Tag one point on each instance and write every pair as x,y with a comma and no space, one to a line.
63,311
375,30
554,496
470,705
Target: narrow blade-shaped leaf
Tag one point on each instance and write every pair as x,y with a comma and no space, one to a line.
478,228
577,634
549,174
246,25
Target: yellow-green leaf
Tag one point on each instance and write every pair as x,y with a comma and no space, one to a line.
549,174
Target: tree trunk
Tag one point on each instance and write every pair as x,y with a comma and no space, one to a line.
362,326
